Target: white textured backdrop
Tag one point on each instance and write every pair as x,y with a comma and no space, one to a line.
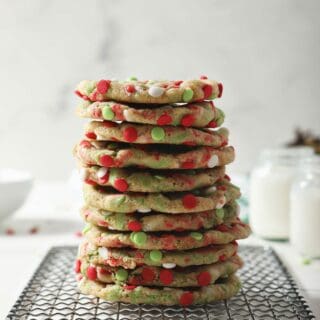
265,52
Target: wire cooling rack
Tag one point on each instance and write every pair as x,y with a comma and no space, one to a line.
268,292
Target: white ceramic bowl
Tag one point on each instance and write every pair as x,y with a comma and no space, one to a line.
14,188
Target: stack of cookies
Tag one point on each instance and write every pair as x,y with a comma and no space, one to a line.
162,218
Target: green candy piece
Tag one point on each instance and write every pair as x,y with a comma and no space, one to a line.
107,113
196,235
157,133
155,255
220,213
187,95
122,275
139,238
132,78
86,229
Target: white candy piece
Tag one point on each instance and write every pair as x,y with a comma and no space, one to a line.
102,172
221,203
168,265
126,115
155,91
83,173
144,210
138,88
103,252
213,161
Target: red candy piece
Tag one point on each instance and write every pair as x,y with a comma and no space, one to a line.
227,177
103,86
207,91
134,226
130,88
166,277
177,82
186,299
104,179
187,120
222,188
212,124
129,287
222,228
223,258
204,278
148,275
189,201
164,119
106,160
220,86
91,135
130,134
203,77
121,184
77,266
89,181
109,124
85,144
188,164
92,273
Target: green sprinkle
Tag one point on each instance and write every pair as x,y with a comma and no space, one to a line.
122,275
107,113
220,213
187,95
157,133
196,235
132,78
155,255
139,238
86,228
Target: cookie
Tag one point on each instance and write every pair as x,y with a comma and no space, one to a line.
139,180
109,199
155,157
199,114
222,234
132,258
149,134
158,276
158,92
153,221
225,288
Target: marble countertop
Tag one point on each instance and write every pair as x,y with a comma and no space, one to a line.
50,218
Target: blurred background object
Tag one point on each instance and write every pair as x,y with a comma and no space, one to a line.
266,53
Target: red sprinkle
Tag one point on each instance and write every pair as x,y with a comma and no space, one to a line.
130,134
204,278
85,144
134,226
189,201
203,77
148,275
220,86
177,82
91,135
188,164
166,277
227,177
223,258
78,93
104,179
187,120
103,86
207,91
222,228
212,124
77,266
89,181
106,160
121,184
222,188
186,299
129,287
92,273
164,119
130,88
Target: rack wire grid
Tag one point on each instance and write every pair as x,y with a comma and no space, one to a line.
268,292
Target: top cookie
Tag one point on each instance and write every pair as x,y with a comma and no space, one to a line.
158,92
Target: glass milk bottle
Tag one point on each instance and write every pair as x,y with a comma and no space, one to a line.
270,188
305,209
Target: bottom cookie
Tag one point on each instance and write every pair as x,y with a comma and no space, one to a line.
224,288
